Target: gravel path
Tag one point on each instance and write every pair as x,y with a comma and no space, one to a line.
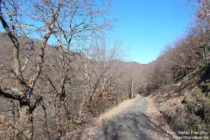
133,123
136,119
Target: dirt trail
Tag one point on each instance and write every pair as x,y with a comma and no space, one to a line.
135,119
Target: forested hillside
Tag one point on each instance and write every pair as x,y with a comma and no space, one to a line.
92,85
60,70
179,80
48,90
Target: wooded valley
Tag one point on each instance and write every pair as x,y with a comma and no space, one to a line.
58,70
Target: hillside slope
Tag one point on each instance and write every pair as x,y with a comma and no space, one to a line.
186,103
54,116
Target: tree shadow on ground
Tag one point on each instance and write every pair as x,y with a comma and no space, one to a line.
132,126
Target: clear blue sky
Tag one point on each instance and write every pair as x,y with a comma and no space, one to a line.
147,26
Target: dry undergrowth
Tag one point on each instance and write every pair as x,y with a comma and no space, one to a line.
157,118
115,111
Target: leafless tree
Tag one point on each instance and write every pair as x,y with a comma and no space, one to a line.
18,23
79,19
200,33
102,67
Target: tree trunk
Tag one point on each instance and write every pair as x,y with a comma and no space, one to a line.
25,124
82,104
131,90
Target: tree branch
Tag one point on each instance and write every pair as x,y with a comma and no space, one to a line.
9,96
40,62
16,44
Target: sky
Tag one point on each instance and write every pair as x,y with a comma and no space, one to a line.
147,26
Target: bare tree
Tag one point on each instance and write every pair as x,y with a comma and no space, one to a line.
102,67
18,24
200,33
79,19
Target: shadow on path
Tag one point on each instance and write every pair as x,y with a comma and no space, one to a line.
131,125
